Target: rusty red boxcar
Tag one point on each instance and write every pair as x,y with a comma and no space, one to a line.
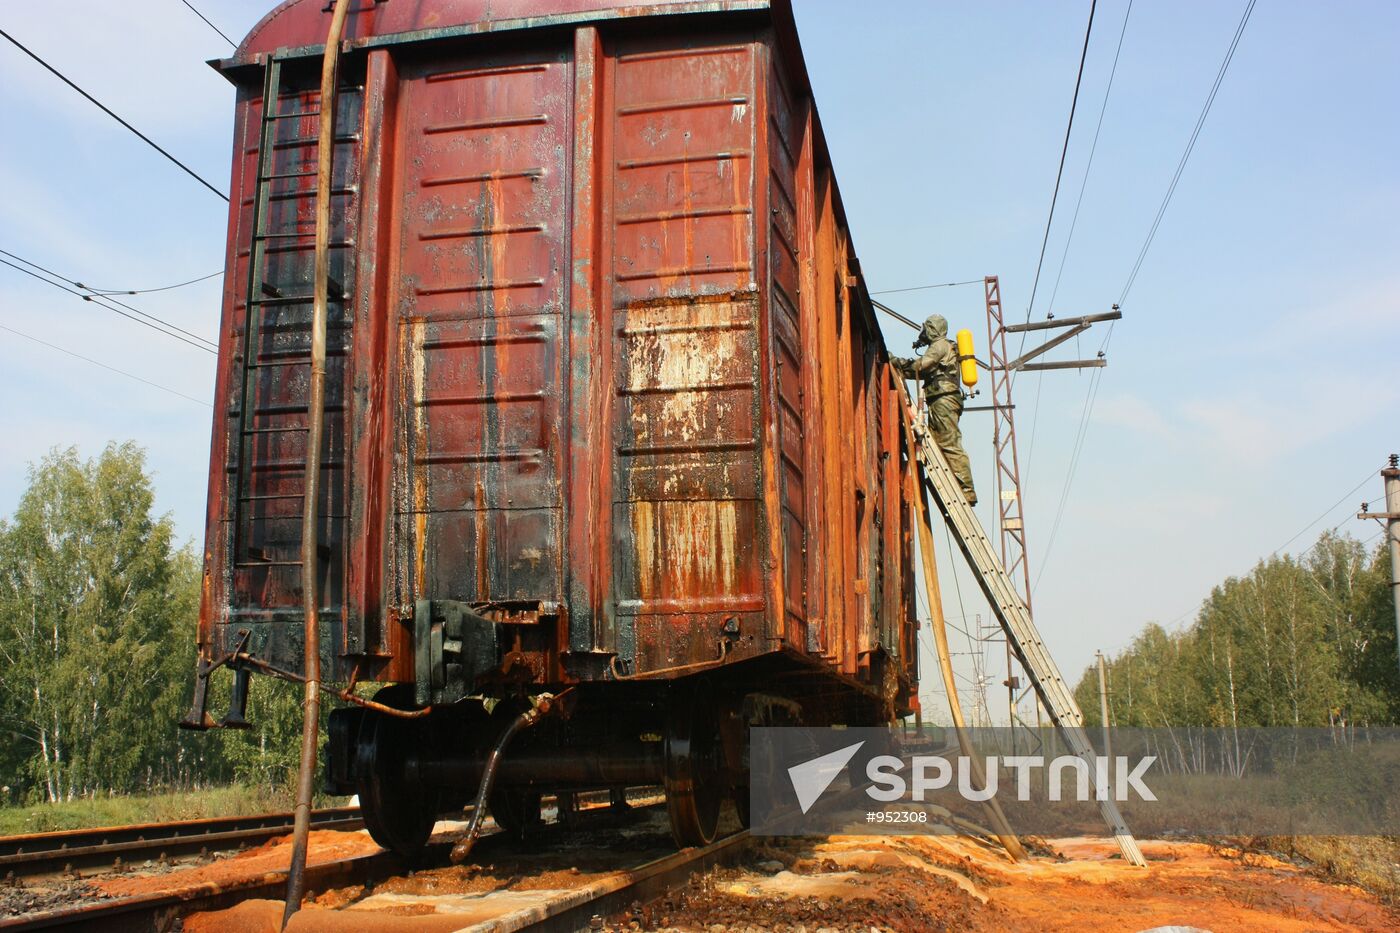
607,411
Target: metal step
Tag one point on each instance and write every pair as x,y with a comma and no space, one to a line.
275,300
278,176
1015,619
289,430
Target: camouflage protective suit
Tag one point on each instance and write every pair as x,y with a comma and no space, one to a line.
937,370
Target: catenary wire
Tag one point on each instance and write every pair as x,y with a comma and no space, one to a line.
1186,155
107,110
1086,415
120,372
102,302
107,296
1132,276
106,301
1074,223
920,288
1330,509
208,23
1089,164
147,291
1320,538
1059,174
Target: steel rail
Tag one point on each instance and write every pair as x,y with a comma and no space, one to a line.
70,850
571,911
161,910
580,908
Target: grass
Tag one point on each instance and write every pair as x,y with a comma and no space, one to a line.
1369,862
143,808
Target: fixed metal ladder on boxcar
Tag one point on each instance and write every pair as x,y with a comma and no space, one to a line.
1016,622
262,293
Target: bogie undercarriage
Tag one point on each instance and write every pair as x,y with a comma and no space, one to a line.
688,736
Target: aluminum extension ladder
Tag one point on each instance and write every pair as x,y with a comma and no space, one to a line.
1016,622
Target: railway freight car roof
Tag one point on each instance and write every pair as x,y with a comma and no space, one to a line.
298,28
302,23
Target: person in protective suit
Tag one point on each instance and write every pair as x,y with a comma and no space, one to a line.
937,369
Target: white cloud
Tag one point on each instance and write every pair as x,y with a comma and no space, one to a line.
1290,412
1133,413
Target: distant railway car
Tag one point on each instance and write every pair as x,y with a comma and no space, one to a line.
608,415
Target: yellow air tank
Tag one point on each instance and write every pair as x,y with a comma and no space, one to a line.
967,361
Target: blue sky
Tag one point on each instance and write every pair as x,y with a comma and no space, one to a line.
1251,384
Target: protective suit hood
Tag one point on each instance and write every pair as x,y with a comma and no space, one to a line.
935,328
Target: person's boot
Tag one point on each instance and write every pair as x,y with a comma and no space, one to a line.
971,496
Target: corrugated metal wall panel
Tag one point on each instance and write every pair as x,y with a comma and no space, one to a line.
480,297
686,507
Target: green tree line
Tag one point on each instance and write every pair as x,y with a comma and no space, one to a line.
1305,640
98,611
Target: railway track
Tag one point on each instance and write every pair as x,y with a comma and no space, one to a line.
604,893
160,911
115,847
578,910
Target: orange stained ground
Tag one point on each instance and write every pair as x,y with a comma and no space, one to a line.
956,884
269,858
964,885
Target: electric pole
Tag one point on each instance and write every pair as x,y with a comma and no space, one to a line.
1391,516
1103,705
1009,500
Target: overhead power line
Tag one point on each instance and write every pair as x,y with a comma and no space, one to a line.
1074,222
107,300
1059,174
113,369
107,110
1374,537
1093,148
140,317
920,288
147,291
1086,415
1091,396
1186,155
1320,538
209,24
1330,509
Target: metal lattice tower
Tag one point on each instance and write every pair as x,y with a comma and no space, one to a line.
1008,471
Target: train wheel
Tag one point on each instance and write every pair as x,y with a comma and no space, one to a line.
515,810
741,804
398,815
694,779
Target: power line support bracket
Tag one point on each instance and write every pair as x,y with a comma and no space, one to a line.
1391,516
